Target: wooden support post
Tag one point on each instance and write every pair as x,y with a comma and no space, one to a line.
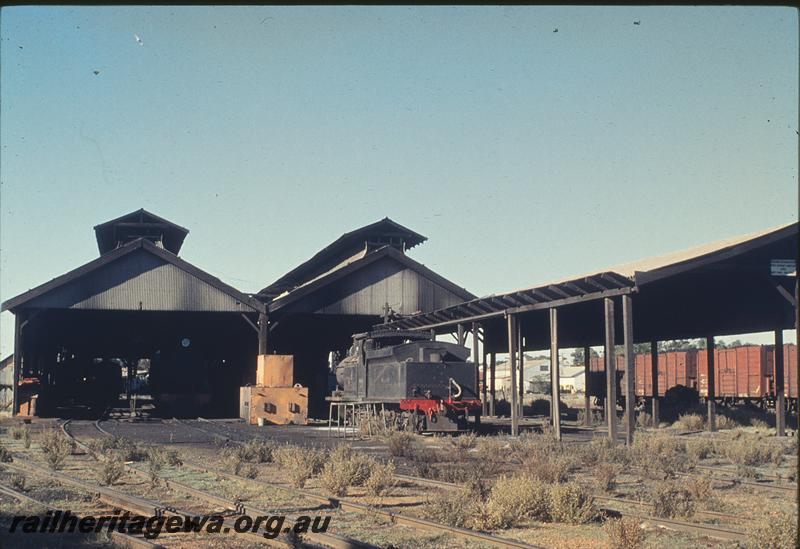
587,398
611,372
654,374
263,330
512,370
555,381
433,335
780,404
630,368
462,339
797,383
17,367
484,386
475,358
520,370
712,419
493,385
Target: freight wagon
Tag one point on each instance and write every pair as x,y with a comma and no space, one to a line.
744,373
748,374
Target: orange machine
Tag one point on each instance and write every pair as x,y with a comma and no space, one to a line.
274,399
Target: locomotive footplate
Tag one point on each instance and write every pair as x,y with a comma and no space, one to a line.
440,414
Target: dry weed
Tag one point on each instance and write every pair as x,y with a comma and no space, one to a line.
517,498
111,470
774,530
606,476
571,503
56,447
624,533
671,499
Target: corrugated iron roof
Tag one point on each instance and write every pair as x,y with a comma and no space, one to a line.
251,303
357,262
614,281
333,254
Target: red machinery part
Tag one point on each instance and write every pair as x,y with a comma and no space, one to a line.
431,406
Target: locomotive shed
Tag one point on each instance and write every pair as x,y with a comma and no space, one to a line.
725,288
359,280
137,301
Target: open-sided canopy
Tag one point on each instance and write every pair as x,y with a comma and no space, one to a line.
723,288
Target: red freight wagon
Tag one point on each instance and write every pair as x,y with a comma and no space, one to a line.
739,373
674,368
789,371
596,382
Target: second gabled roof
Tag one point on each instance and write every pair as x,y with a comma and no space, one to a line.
339,250
360,262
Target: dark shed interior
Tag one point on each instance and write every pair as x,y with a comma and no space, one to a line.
139,321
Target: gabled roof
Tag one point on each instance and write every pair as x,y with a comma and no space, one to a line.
139,224
127,249
359,263
345,246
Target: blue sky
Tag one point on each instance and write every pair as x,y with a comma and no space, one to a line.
523,154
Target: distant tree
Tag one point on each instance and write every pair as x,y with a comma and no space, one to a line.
577,356
676,345
641,348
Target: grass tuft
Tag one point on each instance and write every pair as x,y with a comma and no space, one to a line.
624,533
56,447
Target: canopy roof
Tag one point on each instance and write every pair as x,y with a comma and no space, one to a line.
725,287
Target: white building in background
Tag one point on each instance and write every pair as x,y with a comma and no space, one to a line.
537,377
572,379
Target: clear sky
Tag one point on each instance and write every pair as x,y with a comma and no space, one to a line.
524,154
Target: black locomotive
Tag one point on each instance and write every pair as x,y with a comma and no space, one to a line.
429,382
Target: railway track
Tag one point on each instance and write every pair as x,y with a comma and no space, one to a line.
772,480
395,517
105,502
713,531
119,538
237,508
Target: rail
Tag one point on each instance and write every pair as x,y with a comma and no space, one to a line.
325,540
394,517
717,532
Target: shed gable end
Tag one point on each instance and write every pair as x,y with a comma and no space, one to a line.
367,290
138,281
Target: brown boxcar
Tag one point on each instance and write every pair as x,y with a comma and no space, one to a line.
739,373
674,368
789,372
